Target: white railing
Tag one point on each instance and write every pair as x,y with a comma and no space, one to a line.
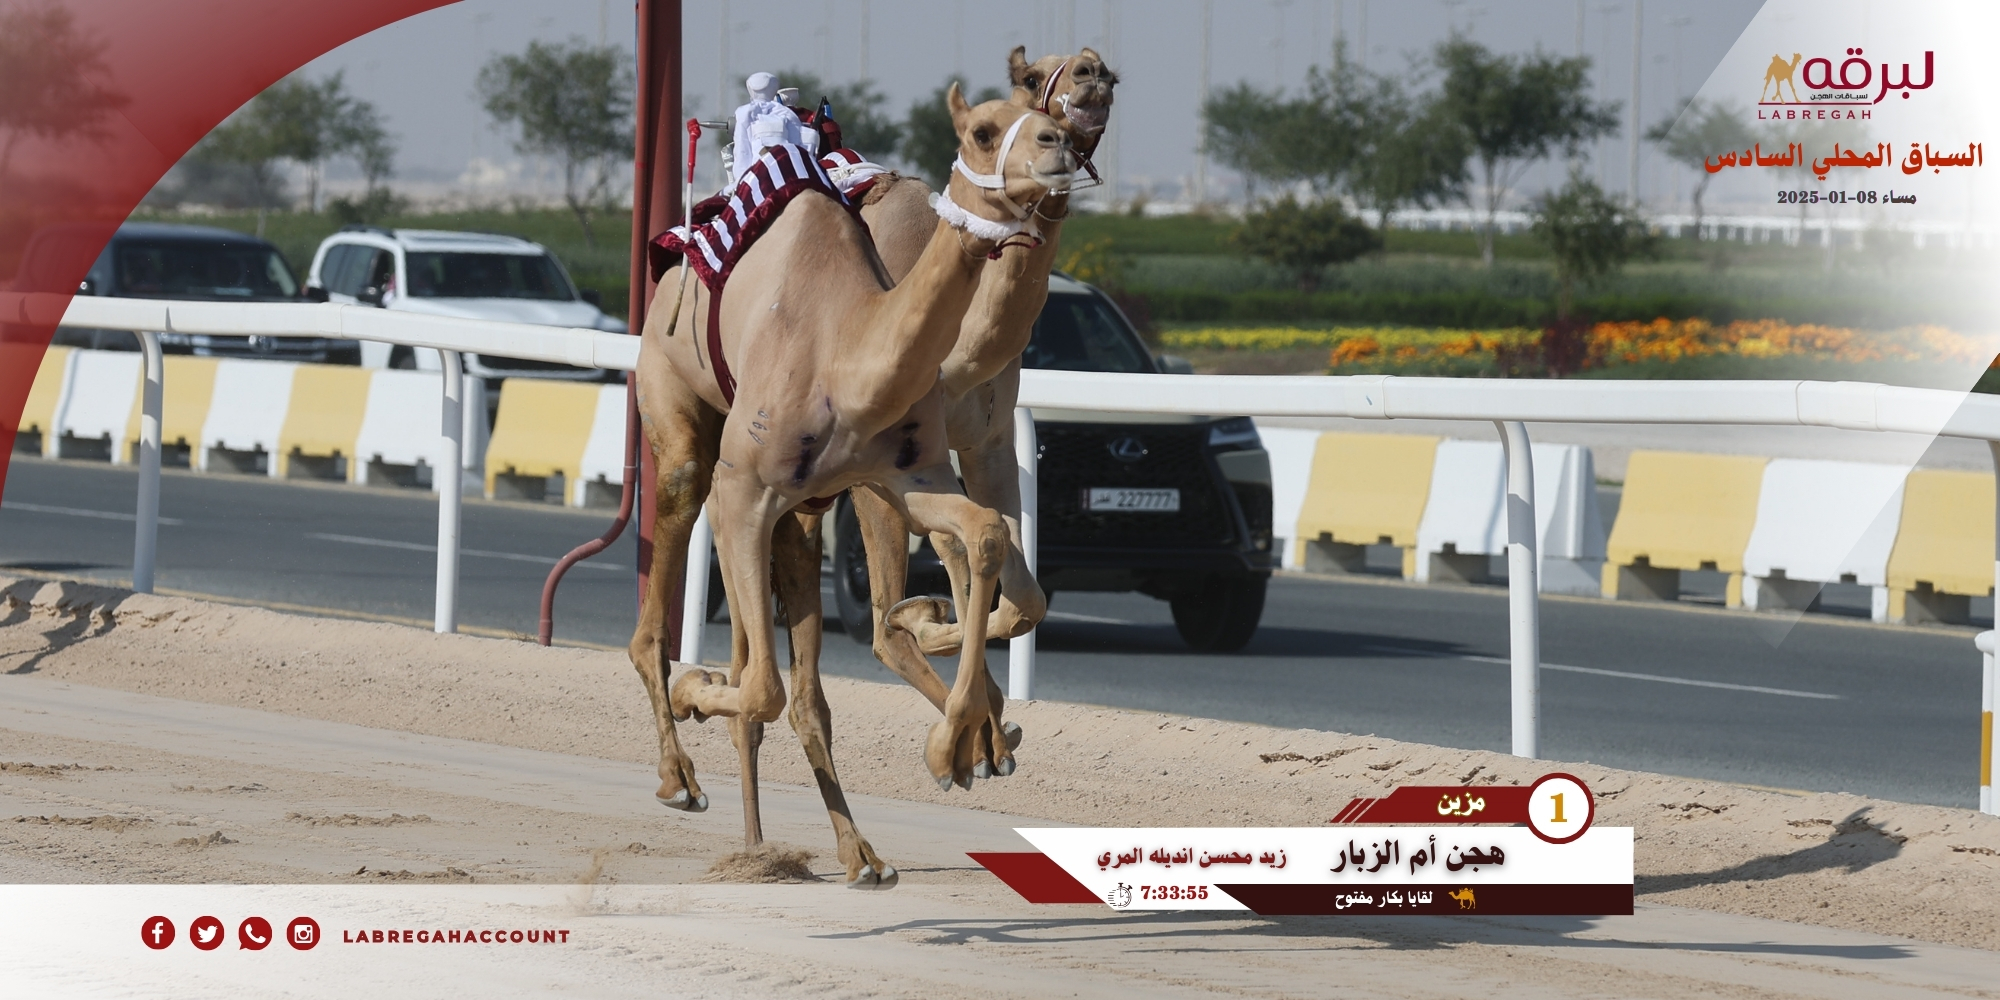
1509,403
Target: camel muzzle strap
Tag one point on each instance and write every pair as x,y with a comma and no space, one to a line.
1001,234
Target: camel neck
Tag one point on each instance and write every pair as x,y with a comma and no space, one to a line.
909,329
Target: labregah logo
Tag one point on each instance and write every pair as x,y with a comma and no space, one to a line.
1847,83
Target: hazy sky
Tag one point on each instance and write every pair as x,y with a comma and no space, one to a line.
420,71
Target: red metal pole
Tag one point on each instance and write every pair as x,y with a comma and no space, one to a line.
656,205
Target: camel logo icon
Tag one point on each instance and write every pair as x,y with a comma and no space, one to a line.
1779,76
1464,897
1120,897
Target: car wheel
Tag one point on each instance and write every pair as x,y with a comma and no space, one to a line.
1220,613
850,575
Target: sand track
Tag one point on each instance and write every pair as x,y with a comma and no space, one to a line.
135,729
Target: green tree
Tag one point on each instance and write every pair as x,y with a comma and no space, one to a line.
929,141
1306,239
49,78
1406,149
1353,131
859,108
1697,134
1267,137
1590,234
307,123
572,102
1516,110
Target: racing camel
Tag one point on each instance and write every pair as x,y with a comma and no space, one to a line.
981,380
838,386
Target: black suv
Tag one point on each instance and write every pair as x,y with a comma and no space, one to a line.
1175,507
151,260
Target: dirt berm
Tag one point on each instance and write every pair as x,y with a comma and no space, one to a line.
1837,860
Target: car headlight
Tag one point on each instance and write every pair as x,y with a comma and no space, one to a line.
1236,432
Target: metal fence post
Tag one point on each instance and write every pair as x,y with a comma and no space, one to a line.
1021,648
1524,627
1984,641
449,478
694,589
1989,674
146,532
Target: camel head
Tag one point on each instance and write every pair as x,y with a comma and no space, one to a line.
1009,159
1074,90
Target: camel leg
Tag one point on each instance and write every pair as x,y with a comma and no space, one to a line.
969,736
744,513
795,548
991,480
683,453
885,535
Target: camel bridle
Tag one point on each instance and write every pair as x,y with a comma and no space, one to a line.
1048,93
1022,231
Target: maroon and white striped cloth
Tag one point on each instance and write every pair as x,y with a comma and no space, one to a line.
852,173
713,247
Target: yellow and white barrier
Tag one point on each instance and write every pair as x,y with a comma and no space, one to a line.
1821,522
399,426
279,409
96,403
603,462
1944,547
186,394
1464,523
1681,511
1365,489
45,396
541,431
1291,451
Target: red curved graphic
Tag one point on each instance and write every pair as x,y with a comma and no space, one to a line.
97,101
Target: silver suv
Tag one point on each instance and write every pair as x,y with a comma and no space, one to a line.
462,275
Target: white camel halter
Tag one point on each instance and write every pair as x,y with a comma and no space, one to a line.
1048,89
996,181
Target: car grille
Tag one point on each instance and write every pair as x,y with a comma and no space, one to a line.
1076,457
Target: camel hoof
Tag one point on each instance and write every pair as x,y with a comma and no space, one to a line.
944,782
1011,733
982,770
1006,766
914,611
869,878
682,802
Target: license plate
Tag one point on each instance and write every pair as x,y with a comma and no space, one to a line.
1100,498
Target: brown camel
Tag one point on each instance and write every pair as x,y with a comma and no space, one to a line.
837,386
1778,76
981,380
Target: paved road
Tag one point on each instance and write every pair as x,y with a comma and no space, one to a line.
1826,704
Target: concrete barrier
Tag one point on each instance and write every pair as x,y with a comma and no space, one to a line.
45,397
1291,450
322,422
540,433
1821,522
186,393
246,417
1681,511
400,430
1464,522
1365,489
96,404
600,476
1944,547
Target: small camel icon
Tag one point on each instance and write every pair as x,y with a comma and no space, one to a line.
1464,897
1779,76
